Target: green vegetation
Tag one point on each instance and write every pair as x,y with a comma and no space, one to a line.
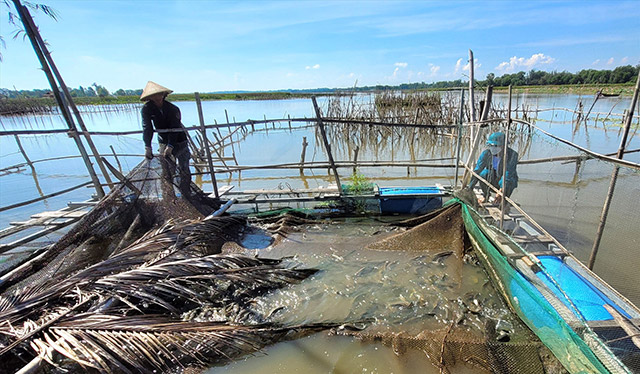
619,81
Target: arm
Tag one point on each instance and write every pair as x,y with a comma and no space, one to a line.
147,127
481,164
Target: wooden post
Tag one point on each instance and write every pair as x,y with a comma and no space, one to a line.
326,144
206,146
303,155
31,31
24,154
472,107
355,159
504,162
476,138
289,115
458,141
614,176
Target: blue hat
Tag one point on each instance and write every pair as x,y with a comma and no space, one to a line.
497,138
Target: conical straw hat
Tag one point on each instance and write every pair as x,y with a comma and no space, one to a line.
153,88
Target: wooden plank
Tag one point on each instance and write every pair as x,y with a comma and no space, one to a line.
60,214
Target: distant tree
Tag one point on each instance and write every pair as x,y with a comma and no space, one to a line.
120,92
623,74
90,92
100,90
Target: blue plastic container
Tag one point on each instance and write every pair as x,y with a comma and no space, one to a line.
409,200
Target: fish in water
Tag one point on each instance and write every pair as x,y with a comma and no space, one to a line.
441,256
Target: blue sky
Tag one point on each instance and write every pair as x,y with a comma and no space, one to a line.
211,46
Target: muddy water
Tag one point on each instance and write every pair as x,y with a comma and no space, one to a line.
387,291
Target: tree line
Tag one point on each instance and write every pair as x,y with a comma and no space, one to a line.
619,75
94,90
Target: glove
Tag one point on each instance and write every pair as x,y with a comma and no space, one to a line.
148,153
168,151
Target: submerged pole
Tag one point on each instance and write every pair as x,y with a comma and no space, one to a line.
303,154
614,177
504,163
326,144
31,32
205,141
460,120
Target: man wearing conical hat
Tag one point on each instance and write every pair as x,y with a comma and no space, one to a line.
159,114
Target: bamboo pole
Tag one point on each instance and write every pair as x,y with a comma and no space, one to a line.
614,177
472,107
504,163
476,138
459,138
326,143
66,95
355,159
23,12
206,146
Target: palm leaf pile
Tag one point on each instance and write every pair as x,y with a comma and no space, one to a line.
167,302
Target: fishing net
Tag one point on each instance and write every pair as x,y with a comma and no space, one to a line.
146,198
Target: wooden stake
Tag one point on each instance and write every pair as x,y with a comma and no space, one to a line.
504,163
326,144
459,139
206,146
355,159
304,152
614,177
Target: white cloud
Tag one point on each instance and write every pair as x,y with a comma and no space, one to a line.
458,67
610,61
596,62
526,63
476,65
316,66
434,69
401,64
624,60
395,72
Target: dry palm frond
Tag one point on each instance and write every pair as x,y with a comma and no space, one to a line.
157,246
155,343
197,281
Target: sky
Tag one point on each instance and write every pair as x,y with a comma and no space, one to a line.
210,46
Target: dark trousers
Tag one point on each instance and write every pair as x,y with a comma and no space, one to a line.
181,156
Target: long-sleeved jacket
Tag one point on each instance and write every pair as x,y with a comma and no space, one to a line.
167,117
484,166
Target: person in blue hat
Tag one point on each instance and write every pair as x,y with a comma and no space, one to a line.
490,165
